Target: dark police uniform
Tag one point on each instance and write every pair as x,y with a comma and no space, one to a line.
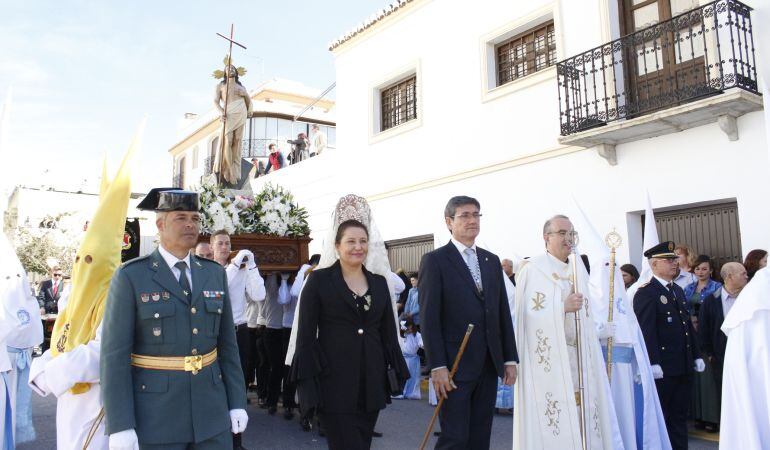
671,344
169,361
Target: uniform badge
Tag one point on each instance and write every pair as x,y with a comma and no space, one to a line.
166,295
156,331
23,316
155,296
663,299
145,298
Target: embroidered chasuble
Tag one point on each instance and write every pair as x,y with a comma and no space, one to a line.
546,411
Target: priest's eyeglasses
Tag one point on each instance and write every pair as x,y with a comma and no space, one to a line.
467,216
565,234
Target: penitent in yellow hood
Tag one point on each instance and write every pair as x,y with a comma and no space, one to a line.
96,261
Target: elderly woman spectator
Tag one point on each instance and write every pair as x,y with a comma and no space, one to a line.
686,264
755,260
630,274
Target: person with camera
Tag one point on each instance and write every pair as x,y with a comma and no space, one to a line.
245,285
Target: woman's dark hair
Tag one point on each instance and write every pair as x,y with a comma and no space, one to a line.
703,259
414,275
348,224
631,270
751,263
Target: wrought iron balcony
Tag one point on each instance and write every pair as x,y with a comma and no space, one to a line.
692,56
251,148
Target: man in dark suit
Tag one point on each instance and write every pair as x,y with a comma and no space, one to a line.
508,269
462,284
670,340
50,291
713,310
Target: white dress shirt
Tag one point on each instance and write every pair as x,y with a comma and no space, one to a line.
728,300
240,282
685,278
171,260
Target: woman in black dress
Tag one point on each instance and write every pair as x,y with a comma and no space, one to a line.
346,343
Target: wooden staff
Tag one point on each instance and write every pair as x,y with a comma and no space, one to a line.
579,348
451,375
613,241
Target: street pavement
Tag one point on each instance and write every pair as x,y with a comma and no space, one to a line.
403,424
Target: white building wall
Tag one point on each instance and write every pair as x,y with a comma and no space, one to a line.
504,150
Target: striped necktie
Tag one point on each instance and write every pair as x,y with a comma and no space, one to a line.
472,261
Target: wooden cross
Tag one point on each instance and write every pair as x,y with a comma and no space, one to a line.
229,62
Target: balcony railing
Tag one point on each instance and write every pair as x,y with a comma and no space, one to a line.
696,54
251,148
208,166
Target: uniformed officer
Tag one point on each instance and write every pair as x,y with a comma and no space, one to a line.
170,373
671,343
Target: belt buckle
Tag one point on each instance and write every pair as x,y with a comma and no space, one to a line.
193,364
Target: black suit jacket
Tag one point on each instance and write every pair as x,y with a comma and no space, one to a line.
342,353
667,329
46,299
713,341
449,301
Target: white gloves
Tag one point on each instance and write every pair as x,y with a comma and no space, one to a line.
245,256
238,419
124,440
657,371
606,330
700,366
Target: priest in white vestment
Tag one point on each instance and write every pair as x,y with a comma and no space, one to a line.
546,411
745,421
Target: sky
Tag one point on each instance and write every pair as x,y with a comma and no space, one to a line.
84,73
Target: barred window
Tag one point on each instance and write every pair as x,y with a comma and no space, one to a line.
526,53
399,103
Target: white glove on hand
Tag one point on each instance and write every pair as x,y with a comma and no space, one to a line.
657,371
124,440
606,330
239,419
700,366
242,257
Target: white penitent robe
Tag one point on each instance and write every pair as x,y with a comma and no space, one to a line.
546,414
76,414
745,421
634,394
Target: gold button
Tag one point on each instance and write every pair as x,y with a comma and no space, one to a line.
194,351
195,331
193,310
360,331
157,315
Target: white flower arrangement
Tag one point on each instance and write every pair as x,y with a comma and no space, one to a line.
271,212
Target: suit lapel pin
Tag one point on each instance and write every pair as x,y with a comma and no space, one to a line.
155,264
197,263
663,299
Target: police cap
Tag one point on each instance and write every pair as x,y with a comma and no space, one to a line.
662,250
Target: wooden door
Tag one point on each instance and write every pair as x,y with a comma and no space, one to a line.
666,61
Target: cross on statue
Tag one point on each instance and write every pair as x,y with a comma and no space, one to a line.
228,62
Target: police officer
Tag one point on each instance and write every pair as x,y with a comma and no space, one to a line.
170,373
670,338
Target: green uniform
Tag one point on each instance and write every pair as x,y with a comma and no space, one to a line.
149,314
